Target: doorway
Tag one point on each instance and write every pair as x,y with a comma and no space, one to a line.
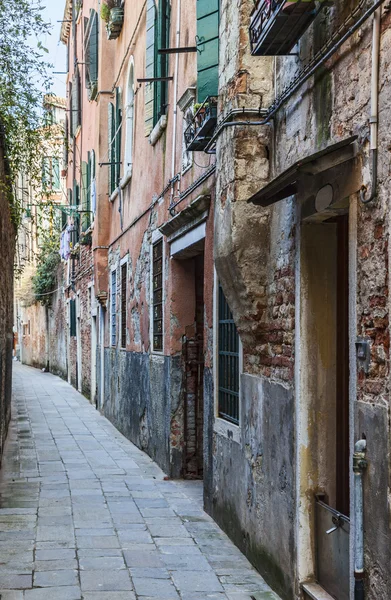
78,344
325,404
193,351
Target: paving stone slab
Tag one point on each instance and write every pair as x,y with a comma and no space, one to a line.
109,596
11,595
105,581
55,565
55,578
54,593
155,588
102,562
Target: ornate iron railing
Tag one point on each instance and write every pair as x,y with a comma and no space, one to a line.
200,130
277,25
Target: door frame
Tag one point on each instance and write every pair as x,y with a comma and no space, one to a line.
304,525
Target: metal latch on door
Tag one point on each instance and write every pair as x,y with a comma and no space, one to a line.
338,522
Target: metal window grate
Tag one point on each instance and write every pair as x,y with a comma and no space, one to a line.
124,271
228,374
157,275
113,306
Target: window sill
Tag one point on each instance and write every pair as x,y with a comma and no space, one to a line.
158,130
315,591
227,430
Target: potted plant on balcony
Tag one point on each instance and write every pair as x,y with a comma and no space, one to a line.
113,16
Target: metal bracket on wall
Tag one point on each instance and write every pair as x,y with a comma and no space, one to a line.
363,354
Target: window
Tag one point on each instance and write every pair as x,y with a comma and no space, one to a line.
187,156
85,193
208,48
124,272
91,180
157,287
75,103
162,59
114,141
228,362
51,173
150,70
72,318
158,36
113,307
91,54
129,122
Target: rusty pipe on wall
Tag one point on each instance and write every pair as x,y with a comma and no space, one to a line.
359,466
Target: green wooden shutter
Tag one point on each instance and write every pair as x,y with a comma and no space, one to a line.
72,318
163,41
150,67
118,137
208,48
45,172
73,107
84,194
111,146
91,53
92,164
56,174
77,99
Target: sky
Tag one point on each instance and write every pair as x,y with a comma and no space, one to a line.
53,12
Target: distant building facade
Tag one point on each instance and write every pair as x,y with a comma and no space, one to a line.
40,330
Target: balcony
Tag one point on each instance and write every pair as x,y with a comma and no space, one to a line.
277,25
201,128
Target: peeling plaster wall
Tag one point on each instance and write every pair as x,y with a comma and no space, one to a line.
255,250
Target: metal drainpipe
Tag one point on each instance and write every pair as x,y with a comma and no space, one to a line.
359,466
175,112
374,119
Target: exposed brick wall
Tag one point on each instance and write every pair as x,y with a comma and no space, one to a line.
83,277
7,242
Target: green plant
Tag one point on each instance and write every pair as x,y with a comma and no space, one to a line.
23,76
106,9
45,278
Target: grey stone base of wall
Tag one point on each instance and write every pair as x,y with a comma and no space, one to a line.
249,487
5,392
142,395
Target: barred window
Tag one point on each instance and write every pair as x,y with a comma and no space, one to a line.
124,272
157,275
228,363
113,308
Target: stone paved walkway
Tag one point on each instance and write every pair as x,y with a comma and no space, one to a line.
86,515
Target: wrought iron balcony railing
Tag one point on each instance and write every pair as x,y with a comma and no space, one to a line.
201,128
277,25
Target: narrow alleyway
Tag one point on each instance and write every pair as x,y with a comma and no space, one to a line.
85,514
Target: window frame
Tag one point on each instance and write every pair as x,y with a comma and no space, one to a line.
222,426
113,314
124,264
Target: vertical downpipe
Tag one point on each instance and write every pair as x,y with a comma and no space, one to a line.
374,118
359,466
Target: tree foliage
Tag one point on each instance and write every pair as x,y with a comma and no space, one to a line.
23,75
45,278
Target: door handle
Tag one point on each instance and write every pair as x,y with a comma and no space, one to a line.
337,521
332,529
